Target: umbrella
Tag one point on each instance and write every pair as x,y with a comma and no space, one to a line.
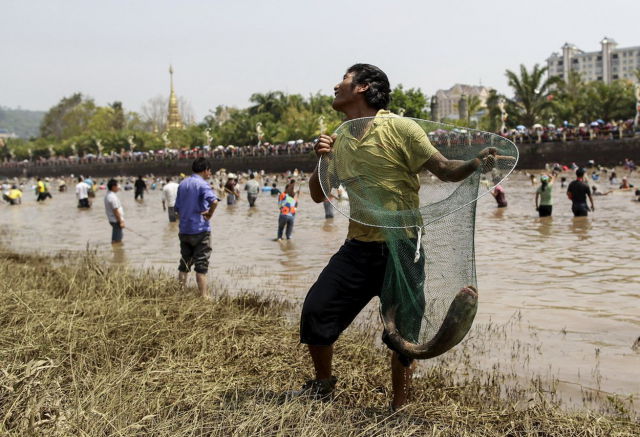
521,127
594,124
551,126
537,126
581,125
600,121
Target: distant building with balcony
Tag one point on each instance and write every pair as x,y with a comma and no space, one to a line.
608,64
449,100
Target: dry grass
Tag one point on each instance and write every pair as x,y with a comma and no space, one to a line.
90,350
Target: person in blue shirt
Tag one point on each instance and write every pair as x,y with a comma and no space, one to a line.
195,204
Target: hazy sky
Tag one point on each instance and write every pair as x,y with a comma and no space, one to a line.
223,51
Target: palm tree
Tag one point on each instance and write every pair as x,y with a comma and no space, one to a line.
531,93
272,102
570,100
474,105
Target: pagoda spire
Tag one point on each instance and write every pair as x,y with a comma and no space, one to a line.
174,121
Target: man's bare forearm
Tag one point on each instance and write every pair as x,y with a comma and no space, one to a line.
213,207
455,170
315,189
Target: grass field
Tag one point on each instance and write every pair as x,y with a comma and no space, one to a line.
90,350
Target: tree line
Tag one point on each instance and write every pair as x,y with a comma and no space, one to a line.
76,125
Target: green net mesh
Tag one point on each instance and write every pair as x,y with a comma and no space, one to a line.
429,297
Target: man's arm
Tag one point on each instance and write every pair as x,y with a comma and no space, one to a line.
317,195
322,147
211,197
207,214
450,170
116,212
593,208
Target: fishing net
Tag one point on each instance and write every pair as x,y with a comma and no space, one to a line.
429,297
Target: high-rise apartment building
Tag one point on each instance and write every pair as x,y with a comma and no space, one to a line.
608,64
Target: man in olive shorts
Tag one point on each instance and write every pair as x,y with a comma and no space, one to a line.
395,153
195,204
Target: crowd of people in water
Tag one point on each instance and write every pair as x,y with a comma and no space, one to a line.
590,181
587,184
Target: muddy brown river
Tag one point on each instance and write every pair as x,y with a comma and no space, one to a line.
559,297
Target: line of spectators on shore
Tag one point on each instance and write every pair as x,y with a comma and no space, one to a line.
597,130
218,152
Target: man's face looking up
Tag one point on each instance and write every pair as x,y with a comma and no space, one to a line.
346,92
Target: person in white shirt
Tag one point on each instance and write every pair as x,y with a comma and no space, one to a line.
252,187
169,194
82,193
115,212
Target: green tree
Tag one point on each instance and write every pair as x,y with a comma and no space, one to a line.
413,101
474,105
102,120
491,121
272,102
609,102
531,94
569,99
119,121
69,117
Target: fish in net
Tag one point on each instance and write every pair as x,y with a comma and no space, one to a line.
429,297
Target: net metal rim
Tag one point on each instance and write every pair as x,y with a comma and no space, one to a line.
450,127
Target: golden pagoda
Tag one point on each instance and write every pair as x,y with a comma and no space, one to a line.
173,116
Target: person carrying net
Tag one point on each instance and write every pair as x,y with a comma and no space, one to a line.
390,156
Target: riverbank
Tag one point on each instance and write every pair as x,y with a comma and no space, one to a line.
89,349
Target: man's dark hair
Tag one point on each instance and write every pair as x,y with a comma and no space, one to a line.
112,183
168,180
200,165
580,172
251,176
378,94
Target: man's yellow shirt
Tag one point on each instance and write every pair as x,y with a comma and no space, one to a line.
390,154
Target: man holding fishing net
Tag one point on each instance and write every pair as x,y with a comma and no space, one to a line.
392,156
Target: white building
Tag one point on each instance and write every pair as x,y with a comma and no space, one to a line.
608,64
448,100
5,134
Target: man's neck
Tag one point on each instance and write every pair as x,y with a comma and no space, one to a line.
360,111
